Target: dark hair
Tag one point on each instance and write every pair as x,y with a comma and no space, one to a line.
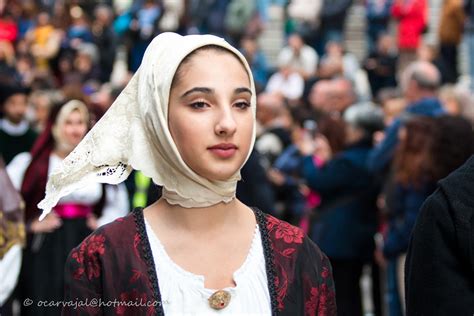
215,48
432,149
414,162
454,144
334,129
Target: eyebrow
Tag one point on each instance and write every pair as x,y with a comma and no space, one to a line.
206,90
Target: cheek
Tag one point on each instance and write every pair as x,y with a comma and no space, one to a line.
185,132
82,130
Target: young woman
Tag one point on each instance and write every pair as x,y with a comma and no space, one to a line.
77,214
187,120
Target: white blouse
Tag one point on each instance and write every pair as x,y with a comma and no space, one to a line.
183,293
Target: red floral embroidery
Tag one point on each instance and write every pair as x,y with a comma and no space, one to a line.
281,285
79,255
327,301
311,305
289,233
288,252
78,273
272,222
93,247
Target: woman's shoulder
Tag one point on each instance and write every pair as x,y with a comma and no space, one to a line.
120,228
116,235
291,241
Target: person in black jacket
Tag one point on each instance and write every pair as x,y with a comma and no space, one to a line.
439,268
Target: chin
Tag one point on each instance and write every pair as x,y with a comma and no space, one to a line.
220,175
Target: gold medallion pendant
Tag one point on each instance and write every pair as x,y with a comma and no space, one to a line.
219,299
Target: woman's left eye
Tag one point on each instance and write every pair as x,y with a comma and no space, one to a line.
198,105
242,105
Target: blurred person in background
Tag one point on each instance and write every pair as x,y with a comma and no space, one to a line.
7,23
105,39
206,16
41,102
430,53
44,41
333,19
305,17
249,47
440,259
413,183
342,96
285,172
142,29
173,11
458,102
412,16
450,33
319,97
8,61
76,216
381,64
419,83
428,151
243,17
25,69
377,13
286,81
392,109
16,135
274,124
86,63
300,57
79,30
469,34
348,193
350,64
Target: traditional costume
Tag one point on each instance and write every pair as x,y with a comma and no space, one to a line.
123,267
46,253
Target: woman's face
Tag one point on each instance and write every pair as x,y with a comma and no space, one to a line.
73,129
210,118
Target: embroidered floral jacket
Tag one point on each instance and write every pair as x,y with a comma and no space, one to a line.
112,271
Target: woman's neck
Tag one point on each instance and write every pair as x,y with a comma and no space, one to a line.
201,219
61,152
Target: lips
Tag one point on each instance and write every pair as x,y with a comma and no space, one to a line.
224,150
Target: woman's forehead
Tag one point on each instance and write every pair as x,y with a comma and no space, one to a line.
213,67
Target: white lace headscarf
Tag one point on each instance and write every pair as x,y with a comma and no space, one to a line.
134,134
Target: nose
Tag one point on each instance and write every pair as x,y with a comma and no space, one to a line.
226,124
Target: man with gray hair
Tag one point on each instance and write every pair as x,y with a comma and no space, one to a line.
420,82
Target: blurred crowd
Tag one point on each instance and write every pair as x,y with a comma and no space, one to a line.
347,148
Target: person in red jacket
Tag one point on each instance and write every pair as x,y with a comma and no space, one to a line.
412,18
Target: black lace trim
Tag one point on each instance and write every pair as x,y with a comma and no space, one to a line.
269,258
148,256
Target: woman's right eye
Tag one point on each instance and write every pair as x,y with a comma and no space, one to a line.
198,105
